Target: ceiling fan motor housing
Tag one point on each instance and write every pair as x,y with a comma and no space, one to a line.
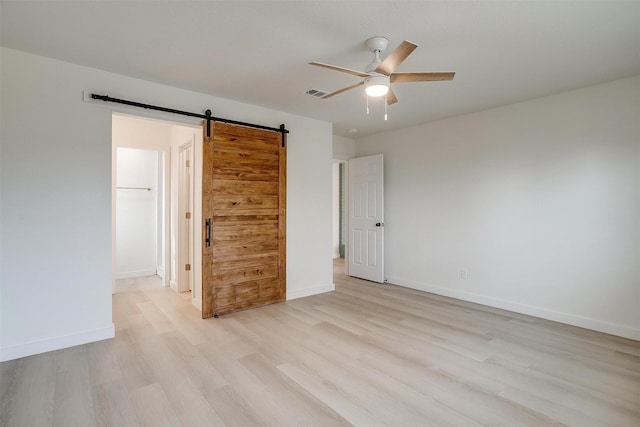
378,43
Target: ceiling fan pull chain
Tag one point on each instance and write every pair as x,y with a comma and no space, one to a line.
385,108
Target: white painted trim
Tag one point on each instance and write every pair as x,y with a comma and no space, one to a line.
306,292
543,313
37,347
342,157
185,233
173,285
160,273
197,303
132,274
347,216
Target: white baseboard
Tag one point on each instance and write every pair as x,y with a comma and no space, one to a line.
543,313
132,274
306,292
196,303
160,272
37,347
173,285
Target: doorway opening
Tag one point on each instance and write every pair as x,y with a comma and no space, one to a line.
339,215
139,215
155,192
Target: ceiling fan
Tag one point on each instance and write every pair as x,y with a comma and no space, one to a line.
379,74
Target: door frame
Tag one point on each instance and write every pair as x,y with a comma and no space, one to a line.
185,234
134,113
344,160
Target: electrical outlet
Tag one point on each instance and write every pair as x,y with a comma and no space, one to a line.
463,274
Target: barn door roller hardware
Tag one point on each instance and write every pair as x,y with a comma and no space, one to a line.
207,116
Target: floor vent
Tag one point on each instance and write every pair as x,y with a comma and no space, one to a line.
317,93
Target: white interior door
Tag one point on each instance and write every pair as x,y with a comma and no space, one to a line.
366,218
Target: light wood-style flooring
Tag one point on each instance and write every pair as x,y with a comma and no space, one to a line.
366,354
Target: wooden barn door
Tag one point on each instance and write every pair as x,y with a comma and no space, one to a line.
244,219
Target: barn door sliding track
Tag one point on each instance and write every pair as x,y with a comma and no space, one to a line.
207,115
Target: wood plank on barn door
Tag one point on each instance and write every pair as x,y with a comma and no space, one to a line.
244,198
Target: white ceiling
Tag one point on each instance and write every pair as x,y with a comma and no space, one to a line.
257,52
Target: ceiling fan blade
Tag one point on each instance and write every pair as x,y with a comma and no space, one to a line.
391,97
344,89
420,77
396,57
342,69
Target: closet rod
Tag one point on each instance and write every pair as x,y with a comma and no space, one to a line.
134,188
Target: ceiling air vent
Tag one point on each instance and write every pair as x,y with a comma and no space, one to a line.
317,93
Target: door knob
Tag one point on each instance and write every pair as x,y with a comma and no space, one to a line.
379,224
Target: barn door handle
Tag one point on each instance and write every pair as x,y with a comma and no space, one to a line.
208,239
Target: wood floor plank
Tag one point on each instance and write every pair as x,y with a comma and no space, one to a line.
30,400
113,405
289,394
232,409
73,399
103,363
329,394
153,408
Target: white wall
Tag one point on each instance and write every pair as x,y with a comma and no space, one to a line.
343,148
539,202
136,132
56,197
136,213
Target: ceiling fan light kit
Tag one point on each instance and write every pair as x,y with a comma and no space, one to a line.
379,74
376,85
